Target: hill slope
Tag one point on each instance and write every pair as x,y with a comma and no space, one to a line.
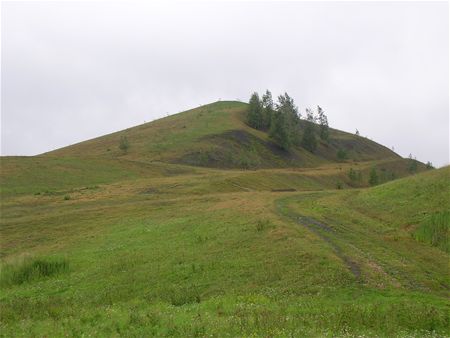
396,233
101,243
215,135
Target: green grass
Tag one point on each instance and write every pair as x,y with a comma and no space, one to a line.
30,270
144,247
434,230
216,135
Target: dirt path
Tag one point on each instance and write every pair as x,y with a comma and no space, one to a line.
324,232
320,229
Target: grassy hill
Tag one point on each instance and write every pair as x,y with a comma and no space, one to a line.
161,241
215,135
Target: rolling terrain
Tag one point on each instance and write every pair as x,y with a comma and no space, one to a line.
204,227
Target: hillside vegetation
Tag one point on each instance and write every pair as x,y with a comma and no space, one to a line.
203,226
217,136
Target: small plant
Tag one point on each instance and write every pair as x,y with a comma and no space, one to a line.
262,224
339,185
373,178
352,174
355,175
412,164
179,296
66,197
341,154
124,145
259,226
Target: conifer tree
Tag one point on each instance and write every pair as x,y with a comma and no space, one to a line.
279,130
254,114
323,124
309,141
373,179
287,107
268,108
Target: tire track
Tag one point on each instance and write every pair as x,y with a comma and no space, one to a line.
324,232
320,229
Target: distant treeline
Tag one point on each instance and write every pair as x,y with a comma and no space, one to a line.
282,121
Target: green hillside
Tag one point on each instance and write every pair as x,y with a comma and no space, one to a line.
205,228
215,135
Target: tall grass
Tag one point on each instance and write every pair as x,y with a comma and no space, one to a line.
31,269
434,230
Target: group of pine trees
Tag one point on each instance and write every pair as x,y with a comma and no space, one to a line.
282,121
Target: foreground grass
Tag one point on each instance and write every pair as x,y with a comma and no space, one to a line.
178,252
347,313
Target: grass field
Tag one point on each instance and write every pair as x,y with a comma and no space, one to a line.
104,243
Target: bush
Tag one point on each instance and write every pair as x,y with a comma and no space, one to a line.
66,197
31,269
352,174
373,179
412,164
260,225
181,295
341,154
124,144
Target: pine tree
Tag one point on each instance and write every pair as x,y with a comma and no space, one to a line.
279,130
287,107
412,164
291,118
373,179
323,123
309,141
254,114
268,108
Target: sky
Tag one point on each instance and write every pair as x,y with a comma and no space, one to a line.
71,71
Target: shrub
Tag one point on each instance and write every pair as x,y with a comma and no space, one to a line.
262,224
373,179
124,144
181,295
341,154
66,197
412,164
352,174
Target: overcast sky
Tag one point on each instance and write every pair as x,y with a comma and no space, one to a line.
72,71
